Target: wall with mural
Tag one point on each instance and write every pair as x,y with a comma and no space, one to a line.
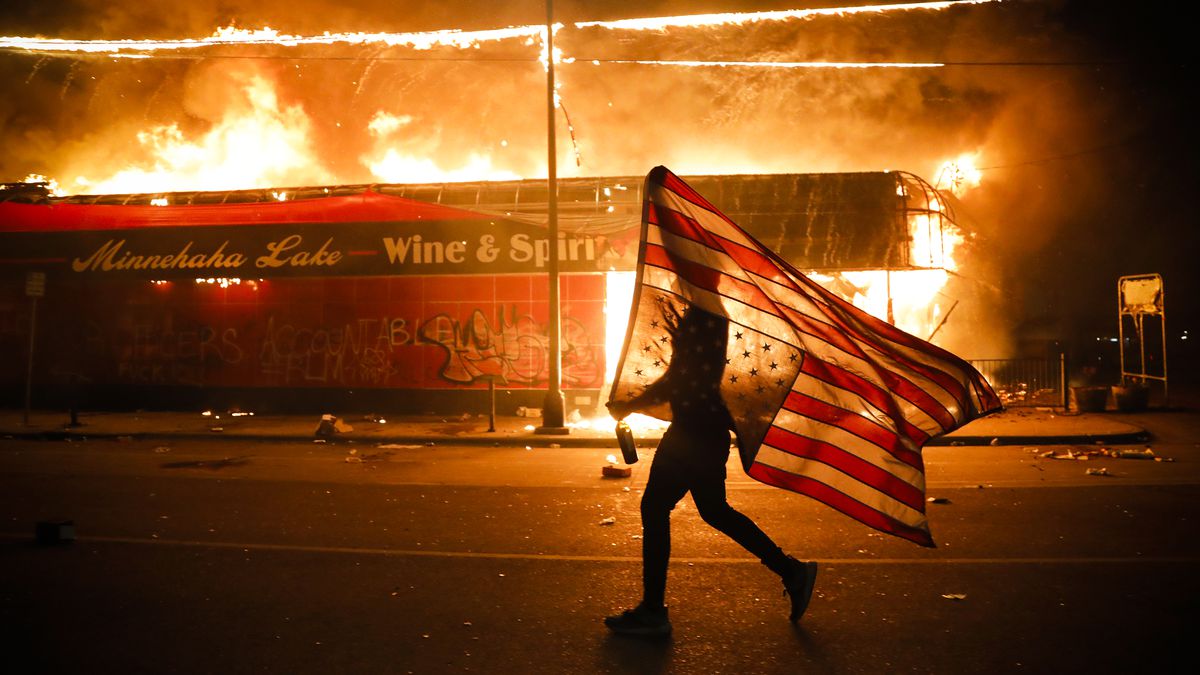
403,332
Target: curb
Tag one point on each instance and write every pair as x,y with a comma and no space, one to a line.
1122,438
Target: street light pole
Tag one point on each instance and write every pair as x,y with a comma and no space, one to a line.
553,408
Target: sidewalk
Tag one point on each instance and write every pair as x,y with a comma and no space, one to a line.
1018,426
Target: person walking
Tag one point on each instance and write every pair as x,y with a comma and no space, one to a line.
691,457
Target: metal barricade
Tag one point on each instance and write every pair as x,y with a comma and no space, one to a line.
1026,382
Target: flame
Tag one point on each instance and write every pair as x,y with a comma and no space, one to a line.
51,184
911,299
390,164
231,35
743,18
959,175
775,64
256,143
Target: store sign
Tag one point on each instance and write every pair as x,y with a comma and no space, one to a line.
316,249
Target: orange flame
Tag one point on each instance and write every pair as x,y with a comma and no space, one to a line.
256,143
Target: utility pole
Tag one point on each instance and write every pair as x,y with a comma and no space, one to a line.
553,408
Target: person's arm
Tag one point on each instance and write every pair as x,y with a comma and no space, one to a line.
652,395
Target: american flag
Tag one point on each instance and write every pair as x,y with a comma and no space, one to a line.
827,400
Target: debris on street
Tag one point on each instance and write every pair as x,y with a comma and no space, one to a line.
1077,454
612,471
331,425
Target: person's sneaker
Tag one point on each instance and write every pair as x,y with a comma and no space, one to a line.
798,585
640,621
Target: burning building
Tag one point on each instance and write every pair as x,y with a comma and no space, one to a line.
405,297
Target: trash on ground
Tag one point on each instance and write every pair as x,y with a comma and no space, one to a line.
331,425
161,449
217,429
1099,471
611,471
1086,455
954,596
607,521
937,500
396,446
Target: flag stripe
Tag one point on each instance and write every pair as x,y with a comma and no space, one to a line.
852,422
845,458
823,493
842,482
852,382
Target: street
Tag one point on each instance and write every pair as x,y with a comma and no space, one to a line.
221,556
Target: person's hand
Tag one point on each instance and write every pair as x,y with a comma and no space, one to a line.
617,409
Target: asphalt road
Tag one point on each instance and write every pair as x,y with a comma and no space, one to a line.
219,557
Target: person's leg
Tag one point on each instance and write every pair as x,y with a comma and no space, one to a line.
798,577
708,491
664,489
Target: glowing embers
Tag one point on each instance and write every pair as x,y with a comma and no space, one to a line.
226,282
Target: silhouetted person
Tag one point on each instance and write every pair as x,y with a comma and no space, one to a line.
691,458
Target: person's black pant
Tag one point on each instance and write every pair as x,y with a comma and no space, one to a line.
689,462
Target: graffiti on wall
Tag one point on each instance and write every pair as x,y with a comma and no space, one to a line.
514,349
357,353
308,333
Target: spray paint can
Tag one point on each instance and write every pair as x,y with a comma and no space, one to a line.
628,446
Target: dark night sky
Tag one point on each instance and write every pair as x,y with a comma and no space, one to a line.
1085,135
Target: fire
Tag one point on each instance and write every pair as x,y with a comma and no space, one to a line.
912,298
959,175
776,64
390,164
231,35
256,143
743,18
51,185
